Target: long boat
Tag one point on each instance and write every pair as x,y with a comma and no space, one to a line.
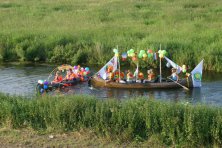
99,82
194,80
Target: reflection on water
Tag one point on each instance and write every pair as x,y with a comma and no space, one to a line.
21,80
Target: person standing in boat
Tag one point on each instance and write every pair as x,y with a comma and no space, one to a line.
174,76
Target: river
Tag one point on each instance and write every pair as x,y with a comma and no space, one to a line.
22,80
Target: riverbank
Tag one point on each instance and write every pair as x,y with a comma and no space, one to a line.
127,121
86,31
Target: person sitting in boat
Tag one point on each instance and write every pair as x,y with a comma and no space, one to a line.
58,78
187,75
129,77
118,77
151,75
141,77
82,74
109,68
174,76
69,75
110,76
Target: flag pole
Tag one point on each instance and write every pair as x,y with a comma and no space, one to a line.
137,68
160,68
118,63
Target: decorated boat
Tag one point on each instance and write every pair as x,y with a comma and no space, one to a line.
193,79
57,79
98,82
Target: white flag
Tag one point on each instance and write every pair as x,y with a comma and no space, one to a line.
174,65
197,75
102,72
104,76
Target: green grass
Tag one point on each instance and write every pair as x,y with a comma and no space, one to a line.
139,120
86,31
83,138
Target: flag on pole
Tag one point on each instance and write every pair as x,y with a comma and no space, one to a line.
197,75
102,72
135,74
174,65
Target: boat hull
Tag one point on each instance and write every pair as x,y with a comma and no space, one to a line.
52,86
98,82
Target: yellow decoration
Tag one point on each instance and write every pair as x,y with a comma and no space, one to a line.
184,67
161,55
144,55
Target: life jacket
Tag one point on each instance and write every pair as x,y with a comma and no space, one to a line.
73,76
151,76
141,76
70,76
81,73
82,78
174,76
58,79
117,75
129,76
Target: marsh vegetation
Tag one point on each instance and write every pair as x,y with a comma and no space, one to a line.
87,31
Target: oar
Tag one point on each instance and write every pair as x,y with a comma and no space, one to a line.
179,84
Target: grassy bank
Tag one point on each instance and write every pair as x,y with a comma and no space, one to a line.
83,138
86,31
138,120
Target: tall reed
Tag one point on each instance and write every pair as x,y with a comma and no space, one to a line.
133,119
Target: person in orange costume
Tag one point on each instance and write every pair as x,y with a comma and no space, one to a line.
58,78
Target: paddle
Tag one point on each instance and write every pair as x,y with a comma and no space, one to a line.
179,84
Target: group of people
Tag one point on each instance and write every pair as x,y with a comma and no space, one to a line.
82,74
139,76
72,74
129,77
